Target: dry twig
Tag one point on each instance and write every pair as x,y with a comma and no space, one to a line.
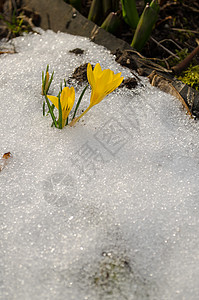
185,63
148,62
163,47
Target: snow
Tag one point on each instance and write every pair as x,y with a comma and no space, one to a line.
107,209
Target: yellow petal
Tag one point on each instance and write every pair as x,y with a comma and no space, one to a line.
116,76
64,97
97,71
67,101
96,98
90,76
67,97
65,114
54,100
113,85
106,77
71,91
71,98
102,82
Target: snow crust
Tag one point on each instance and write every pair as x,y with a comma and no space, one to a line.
107,209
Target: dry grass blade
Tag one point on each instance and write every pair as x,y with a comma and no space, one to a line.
185,30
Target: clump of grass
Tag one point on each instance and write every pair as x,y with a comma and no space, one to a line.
191,77
16,26
182,54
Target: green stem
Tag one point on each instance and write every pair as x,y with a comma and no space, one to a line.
50,110
50,81
76,120
66,122
78,103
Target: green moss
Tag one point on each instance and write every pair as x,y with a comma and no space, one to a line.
191,77
181,54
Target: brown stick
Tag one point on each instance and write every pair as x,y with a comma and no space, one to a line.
185,63
3,52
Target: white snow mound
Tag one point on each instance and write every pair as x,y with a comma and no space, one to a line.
107,209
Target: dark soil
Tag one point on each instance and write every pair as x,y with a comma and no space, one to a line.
77,51
177,27
129,83
126,60
80,75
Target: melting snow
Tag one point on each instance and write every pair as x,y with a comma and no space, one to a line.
107,209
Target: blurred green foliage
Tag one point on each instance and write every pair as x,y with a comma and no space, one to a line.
16,25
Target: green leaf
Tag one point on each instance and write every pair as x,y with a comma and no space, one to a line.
111,23
145,25
129,12
107,6
50,110
95,12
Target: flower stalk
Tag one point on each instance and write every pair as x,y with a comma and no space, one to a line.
60,121
79,101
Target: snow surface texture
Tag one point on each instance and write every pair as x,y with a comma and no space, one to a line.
107,209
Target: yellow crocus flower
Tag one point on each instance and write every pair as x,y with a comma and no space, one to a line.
67,99
102,83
